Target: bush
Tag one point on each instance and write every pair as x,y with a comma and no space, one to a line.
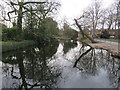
105,34
28,36
98,36
41,37
9,34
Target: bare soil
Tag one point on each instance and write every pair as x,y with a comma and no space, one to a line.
114,49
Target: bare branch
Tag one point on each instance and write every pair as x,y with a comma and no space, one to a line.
27,10
7,3
34,3
13,3
10,12
6,19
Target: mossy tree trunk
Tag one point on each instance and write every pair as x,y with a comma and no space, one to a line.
84,34
19,23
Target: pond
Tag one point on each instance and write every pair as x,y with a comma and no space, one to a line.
60,65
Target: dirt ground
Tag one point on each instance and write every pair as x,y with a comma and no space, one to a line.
114,49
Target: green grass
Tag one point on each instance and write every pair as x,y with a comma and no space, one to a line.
63,38
13,45
112,40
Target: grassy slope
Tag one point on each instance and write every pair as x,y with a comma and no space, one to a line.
12,45
112,40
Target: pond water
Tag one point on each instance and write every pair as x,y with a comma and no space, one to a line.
60,65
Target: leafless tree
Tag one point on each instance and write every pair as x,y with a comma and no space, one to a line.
93,14
113,15
110,17
118,14
103,19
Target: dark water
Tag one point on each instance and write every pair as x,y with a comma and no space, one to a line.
60,65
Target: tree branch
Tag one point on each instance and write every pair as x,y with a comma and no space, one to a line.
84,33
13,3
82,56
33,2
27,10
10,12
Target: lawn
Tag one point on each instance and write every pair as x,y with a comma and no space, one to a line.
112,40
13,45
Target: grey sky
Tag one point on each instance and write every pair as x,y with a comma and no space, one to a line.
71,9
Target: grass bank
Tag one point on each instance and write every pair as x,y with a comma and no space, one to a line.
112,40
13,45
62,38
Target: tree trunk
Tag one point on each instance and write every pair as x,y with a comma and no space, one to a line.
22,71
84,33
19,25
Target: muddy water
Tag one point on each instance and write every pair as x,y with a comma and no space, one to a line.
60,65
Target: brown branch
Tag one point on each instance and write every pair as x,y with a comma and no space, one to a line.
79,27
84,33
6,19
10,12
13,3
28,10
33,2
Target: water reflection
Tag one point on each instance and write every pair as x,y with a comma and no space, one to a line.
68,46
29,68
63,65
92,61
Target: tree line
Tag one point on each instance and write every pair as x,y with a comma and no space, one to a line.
96,17
30,19
33,20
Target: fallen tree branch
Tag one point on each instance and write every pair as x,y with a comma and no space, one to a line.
84,33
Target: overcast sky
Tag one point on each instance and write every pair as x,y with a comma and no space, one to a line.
71,9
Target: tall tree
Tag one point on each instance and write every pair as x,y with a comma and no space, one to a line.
103,19
110,18
51,27
70,32
93,14
118,14
43,24
20,8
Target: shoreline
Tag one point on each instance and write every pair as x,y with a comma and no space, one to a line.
13,45
113,49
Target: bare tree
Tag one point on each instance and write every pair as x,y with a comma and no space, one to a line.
118,14
93,14
50,8
103,19
113,15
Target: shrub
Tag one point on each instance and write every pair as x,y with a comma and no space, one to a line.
105,34
9,34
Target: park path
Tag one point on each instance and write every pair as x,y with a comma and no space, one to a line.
112,47
105,41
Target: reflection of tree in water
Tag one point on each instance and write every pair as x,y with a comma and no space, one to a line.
91,60
112,65
33,66
68,45
87,61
